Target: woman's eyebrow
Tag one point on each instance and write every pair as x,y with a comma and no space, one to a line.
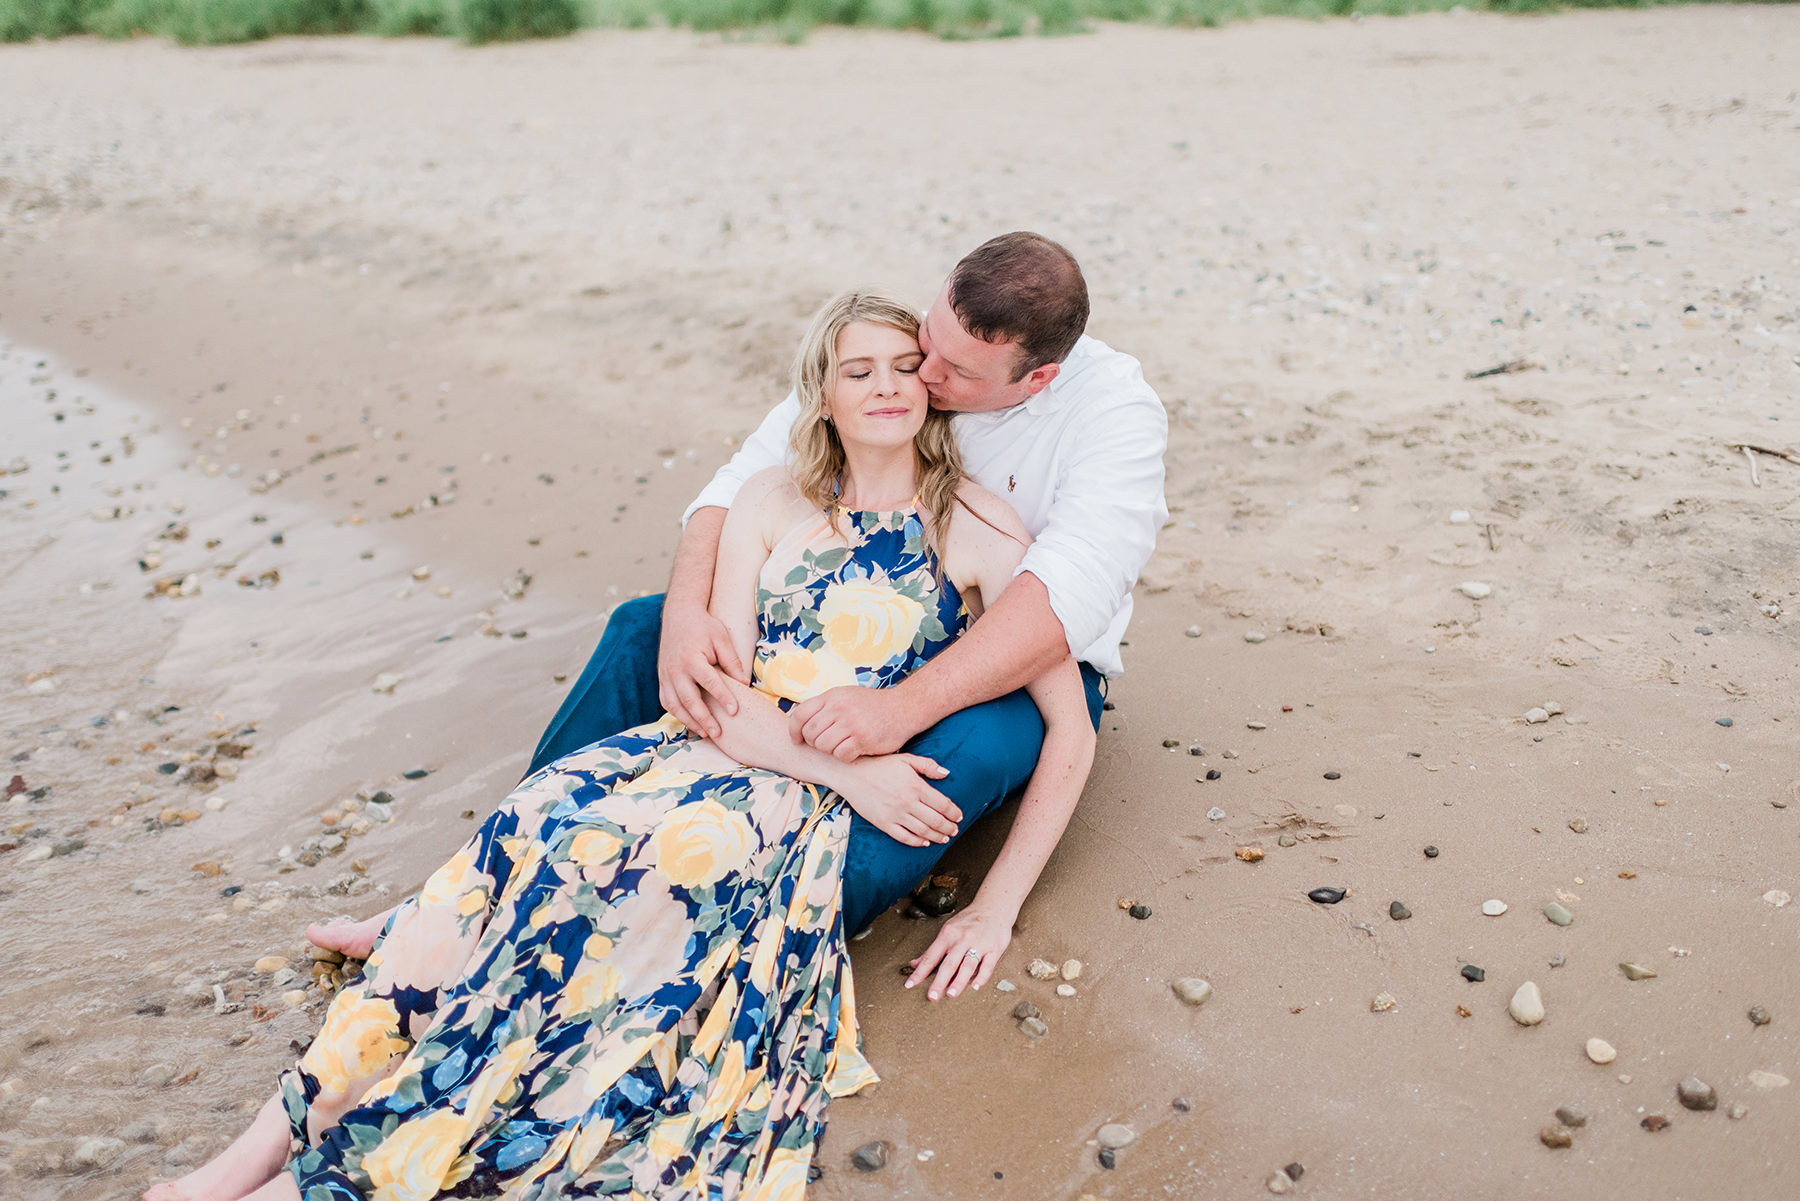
858,359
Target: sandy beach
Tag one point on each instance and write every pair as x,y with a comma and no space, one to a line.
348,384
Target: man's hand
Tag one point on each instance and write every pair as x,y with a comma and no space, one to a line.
964,954
851,722
891,793
695,648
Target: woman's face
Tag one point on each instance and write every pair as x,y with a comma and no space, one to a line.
877,398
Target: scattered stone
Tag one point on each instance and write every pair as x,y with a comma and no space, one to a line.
1109,1159
1493,907
1192,990
1536,717
1637,971
1571,1115
1601,1051
268,965
1286,840
1294,1171
1065,990
1655,1122
140,1132
1071,969
1723,721
870,1157
1213,773
1279,1183
1737,1112
1140,912
385,683
1192,631
1697,1094
417,773
1627,874
1431,852
1383,1002
1334,775
1579,825
1398,912
1777,898
1006,986
1196,750
1023,1010
1327,896
1552,708
1473,974
1759,1015
1116,1135
1557,914
1703,631
158,1075
1763,1079
1250,854
1557,960
96,1154
1475,589
1034,1027
1182,1104
1527,1005
1256,636
1041,969
1256,725
935,901
1170,744
1556,1136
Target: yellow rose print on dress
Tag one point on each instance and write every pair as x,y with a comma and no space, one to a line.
698,844
449,882
866,623
800,673
784,1177
591,848
418,1159
359,1037
593,985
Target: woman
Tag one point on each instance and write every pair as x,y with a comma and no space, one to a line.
633,980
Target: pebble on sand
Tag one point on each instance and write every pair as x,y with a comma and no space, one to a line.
1777,897
1279,1183
385,683
1250,854
1327,896
1071,969
1571,1115
1034,1027
1494,907
1579,825
1527,1005
1041,969
1759,1015
1536,717
1556,1136
1475,589
1654,1122
870,1157
1383,1002
1697,1094
1192,990
1116,1135
1637,971
1601,1051
268,965
1256,636
1557,914
1473,974
1398,911
1762,1079
96,1154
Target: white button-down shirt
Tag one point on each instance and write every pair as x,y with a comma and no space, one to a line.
1081,461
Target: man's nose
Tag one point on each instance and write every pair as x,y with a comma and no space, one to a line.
932,370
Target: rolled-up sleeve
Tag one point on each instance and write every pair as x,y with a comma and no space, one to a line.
1103,520
767,447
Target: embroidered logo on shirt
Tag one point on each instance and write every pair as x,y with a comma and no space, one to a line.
1012,481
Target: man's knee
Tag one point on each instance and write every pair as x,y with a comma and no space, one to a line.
636,619
990,749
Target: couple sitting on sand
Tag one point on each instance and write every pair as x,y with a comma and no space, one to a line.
633,980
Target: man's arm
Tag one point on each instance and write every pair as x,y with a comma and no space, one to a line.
695,649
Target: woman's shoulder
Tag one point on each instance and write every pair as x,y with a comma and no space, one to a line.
995,518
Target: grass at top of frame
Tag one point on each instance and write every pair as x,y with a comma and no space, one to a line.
202,22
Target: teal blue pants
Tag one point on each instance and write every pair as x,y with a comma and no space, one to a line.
990,750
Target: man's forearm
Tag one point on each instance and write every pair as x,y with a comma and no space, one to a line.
691,575
1016,640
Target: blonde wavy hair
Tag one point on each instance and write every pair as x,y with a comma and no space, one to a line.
817,461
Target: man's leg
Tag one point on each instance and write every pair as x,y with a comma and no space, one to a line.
616,690
991,750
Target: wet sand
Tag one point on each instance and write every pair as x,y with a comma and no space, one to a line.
482,313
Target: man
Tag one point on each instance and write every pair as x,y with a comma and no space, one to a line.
1064,428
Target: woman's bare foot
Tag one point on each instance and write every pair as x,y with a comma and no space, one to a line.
255,1159
350,939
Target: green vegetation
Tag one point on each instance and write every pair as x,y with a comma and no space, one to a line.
213,21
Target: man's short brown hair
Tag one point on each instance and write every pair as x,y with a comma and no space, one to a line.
1022,288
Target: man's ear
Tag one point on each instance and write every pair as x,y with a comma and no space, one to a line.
1037,380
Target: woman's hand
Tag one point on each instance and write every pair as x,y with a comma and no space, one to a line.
964,953
891,793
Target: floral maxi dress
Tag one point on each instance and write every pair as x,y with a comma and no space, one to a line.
632,981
